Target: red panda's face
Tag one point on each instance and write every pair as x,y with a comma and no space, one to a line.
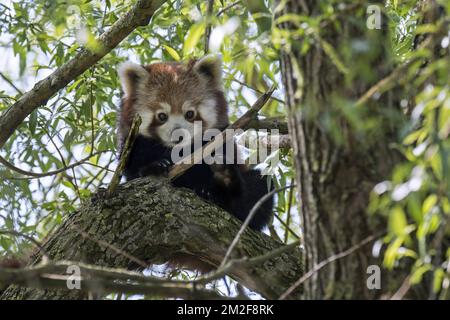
170,97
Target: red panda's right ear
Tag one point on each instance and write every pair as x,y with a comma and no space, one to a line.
130,75
210,67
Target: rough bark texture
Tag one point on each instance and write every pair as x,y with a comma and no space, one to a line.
154,222
335,176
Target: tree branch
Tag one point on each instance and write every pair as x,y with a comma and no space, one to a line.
209,12
11,83
276,123
125,154
100,280
31,174
247,222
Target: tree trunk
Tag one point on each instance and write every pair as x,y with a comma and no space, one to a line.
151,221
337,163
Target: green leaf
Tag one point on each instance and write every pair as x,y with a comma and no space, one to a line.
172,53
193,37
32,123
439,275
429,203
417,275
391,253
397,221
414,208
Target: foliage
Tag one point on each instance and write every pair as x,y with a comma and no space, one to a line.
415,201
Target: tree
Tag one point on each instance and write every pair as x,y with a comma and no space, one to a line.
365,100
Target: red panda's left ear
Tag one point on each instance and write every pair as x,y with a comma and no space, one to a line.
210,67
131,75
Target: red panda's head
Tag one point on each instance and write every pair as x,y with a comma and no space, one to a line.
172,95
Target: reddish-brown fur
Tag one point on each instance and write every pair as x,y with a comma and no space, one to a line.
174,83
173,90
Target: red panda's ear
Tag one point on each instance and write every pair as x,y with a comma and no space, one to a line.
130,75
210,67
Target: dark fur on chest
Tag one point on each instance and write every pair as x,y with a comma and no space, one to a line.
230,186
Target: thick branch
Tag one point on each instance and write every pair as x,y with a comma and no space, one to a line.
275,123
139,15
100,280
154,222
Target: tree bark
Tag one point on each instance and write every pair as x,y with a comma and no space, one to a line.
151,221
336,164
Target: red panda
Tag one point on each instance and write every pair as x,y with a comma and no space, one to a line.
173,95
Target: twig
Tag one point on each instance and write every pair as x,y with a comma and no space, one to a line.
101,280
227,8
29,238
91,102
100,167
209,11
286,226
11,83
252,212
120,280
253,88
187,162
326,262
386,83
244,262
73,181
33,175
404,288
132,134
288,218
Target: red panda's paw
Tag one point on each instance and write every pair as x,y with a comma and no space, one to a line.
221,174
156,168
226,176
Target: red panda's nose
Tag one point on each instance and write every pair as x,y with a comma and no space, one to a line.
178,137
175,127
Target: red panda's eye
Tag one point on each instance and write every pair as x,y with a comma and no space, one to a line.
189,114
162,117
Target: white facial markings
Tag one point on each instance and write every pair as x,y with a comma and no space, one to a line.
165,107
166,131
128,72
188,106
176,125
144,97
208,112
147,118
170,131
